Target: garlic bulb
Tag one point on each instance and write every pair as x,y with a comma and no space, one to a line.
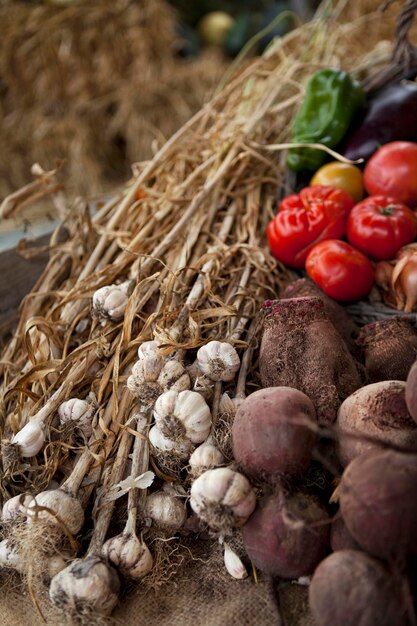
153,374
166,509
15,507
149,348
233,563
222,498
162,443
110,302
218,360
79,412
183,415
56,564
87,584
205,457
66,508
9,556
129,554
29,439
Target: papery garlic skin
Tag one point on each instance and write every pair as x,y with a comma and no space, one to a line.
110,302
233,563
222,498
154,374
129,554
205,457
183,415
158,440
166,510
9,556
30,439
149,348
78,411
218,360
15,507
67,508
86,584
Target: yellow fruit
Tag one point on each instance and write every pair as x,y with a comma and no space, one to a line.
214,27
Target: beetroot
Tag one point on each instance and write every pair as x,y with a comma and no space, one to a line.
378,502
287,536
301,348
390,348
378,411
337,314
351,588
411,392
271,434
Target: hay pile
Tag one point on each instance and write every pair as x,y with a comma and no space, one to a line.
96,83
185,239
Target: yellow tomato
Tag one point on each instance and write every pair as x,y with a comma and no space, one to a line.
342,176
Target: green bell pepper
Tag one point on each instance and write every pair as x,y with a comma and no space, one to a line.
331,100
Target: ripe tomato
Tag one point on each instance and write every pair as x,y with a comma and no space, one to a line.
303,219
392,171
342,176
380,226
343,272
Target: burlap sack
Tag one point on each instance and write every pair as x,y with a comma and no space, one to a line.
201,593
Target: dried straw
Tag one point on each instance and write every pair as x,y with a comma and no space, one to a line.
91,83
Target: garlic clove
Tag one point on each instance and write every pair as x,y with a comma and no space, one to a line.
174,376
233,563
168,511
9,556
110,301
29,439
129,554
148,348
218,360
87,584
205,456
222,498
78,411
15,507
64,508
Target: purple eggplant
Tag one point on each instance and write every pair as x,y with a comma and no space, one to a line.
391,115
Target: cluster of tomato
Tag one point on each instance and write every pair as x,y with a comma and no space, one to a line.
328,229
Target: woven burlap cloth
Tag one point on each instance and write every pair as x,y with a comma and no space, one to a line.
201,593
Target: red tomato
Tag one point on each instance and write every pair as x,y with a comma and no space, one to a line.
392,171
380,226
343,272
304,219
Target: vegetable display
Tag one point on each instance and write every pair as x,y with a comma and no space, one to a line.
331,100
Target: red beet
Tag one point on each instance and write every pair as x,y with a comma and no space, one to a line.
340,537
351,588
378,411
271,433
378,502
301,348
287,537
411,391
390,348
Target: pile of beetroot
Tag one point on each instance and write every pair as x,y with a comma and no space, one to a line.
331,442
